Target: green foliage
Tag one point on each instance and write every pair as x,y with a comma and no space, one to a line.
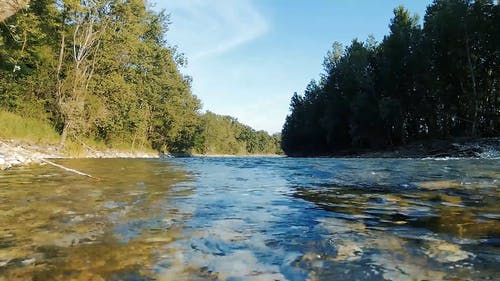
436,81
225,135
73,149
27,129
98,70
101,73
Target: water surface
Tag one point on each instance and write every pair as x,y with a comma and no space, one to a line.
252,219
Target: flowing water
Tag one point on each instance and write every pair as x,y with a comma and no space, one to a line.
252,219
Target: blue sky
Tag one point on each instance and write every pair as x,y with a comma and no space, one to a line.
247,57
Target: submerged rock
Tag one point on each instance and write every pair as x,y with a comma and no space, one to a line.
348,251
439,184
446,252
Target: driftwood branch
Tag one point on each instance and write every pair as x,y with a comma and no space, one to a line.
57,165
68,169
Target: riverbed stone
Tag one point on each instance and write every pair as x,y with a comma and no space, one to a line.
446,252
3,164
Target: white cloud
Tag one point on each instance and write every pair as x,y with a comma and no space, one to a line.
206,28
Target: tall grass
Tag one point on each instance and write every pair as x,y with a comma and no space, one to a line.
30,130
34,131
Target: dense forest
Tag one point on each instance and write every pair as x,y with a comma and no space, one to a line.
439,80
103,70
225,135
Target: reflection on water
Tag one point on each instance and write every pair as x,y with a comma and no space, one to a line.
252,219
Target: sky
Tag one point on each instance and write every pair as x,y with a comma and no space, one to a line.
248,57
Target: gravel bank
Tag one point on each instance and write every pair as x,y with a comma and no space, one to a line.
14,153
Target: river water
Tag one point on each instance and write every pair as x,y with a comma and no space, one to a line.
252,219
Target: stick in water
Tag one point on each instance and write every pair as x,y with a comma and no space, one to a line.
68,169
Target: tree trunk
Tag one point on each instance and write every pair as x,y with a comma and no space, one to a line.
59,68
474,88
64,134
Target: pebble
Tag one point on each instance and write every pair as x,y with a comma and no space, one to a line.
28,261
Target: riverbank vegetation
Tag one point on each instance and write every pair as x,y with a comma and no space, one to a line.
225,135
101,71
438,80
26,129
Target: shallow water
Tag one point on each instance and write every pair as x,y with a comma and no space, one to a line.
252,219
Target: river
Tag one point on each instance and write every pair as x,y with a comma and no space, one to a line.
253,218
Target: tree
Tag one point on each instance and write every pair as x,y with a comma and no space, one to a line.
438,81
87,23
399,74
98,70
225,135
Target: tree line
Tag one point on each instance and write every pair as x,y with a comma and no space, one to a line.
440,80
225,135
100,70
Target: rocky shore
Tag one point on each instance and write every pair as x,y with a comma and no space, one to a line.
14,153
455,148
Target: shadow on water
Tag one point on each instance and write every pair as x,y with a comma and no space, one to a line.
60,226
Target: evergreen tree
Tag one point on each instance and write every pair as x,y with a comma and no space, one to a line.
438,81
